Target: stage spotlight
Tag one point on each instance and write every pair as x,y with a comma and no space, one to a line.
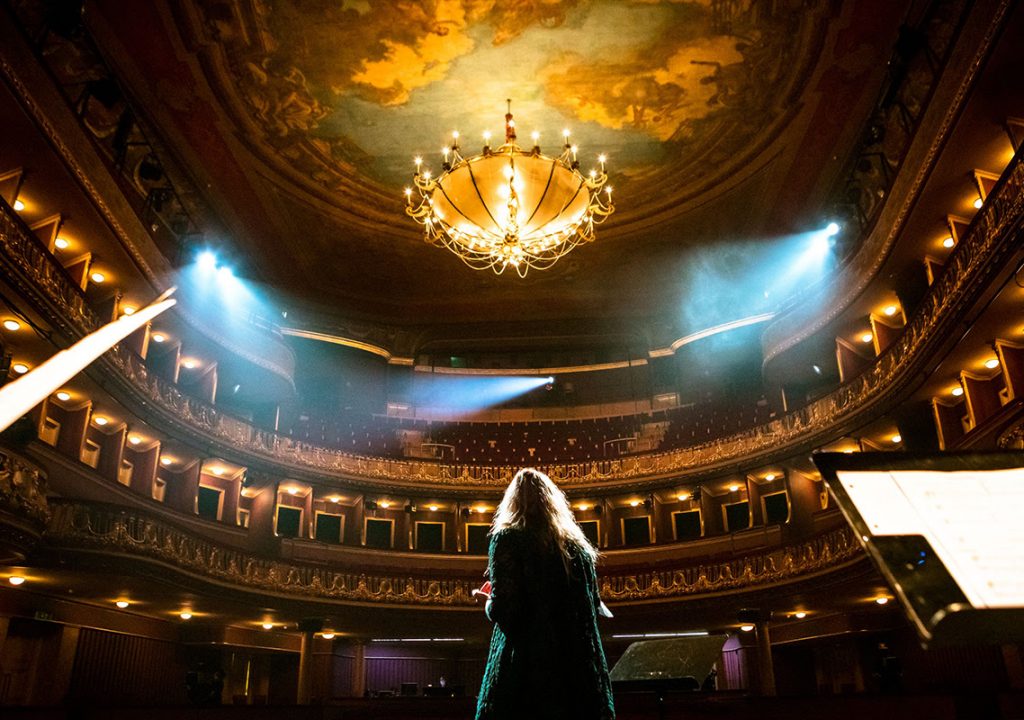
225,274
832,229
207,260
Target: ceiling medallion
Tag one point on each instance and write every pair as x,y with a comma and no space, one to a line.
507,207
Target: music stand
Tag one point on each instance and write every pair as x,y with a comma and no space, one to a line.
944,530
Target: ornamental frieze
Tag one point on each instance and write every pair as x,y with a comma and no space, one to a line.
76,525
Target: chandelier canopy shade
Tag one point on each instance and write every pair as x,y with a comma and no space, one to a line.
507,207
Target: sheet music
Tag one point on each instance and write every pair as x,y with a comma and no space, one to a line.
971,518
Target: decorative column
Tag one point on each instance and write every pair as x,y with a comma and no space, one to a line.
765,666
359,668
309,628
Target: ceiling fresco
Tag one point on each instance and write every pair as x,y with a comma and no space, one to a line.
295,123
665,87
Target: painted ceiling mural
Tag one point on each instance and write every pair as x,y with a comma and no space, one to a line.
294,124
347,91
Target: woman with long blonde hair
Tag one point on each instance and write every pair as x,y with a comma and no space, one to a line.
546,658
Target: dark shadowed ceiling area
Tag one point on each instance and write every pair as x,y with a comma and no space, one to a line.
727,124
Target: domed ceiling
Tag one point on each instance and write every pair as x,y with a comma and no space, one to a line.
726,124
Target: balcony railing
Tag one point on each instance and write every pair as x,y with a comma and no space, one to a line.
104,528
992,238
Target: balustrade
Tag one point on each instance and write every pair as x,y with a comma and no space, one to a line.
77,525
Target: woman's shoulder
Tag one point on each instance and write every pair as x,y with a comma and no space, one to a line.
507,536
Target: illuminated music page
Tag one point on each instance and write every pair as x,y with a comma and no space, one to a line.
971,519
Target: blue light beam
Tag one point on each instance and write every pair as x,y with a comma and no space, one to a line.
468,393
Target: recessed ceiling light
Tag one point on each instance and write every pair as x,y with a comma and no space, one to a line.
98,277
734,488
268,626
433,508
134,439
769,477
100,420
186,615
293,491
20,368
335,499
683,496
957,391
128,310
18,205
385,504
158,338
327,635
882,600
799,614
948,242
61,243
165,461
63,396
12,325
897,438
217,471
890,310
978,203
747,627
583,507
992,363
189,363
634,503
867,337
122,604
16,580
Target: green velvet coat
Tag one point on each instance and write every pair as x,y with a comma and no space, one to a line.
546,660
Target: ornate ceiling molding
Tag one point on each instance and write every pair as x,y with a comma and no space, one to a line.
824,303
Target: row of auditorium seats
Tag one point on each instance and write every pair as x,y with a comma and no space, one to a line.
556,441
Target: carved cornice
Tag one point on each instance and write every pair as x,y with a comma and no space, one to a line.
826,302
277,359
24,511
105,529
824,552
56,136
23,490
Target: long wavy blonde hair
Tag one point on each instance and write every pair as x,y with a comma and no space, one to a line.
533,501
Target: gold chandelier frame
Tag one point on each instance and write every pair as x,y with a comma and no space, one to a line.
508,207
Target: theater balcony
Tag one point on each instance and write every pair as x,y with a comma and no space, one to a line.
259,498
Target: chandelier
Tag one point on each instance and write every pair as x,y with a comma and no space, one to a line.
508,207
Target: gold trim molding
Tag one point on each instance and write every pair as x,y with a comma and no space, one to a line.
77,526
